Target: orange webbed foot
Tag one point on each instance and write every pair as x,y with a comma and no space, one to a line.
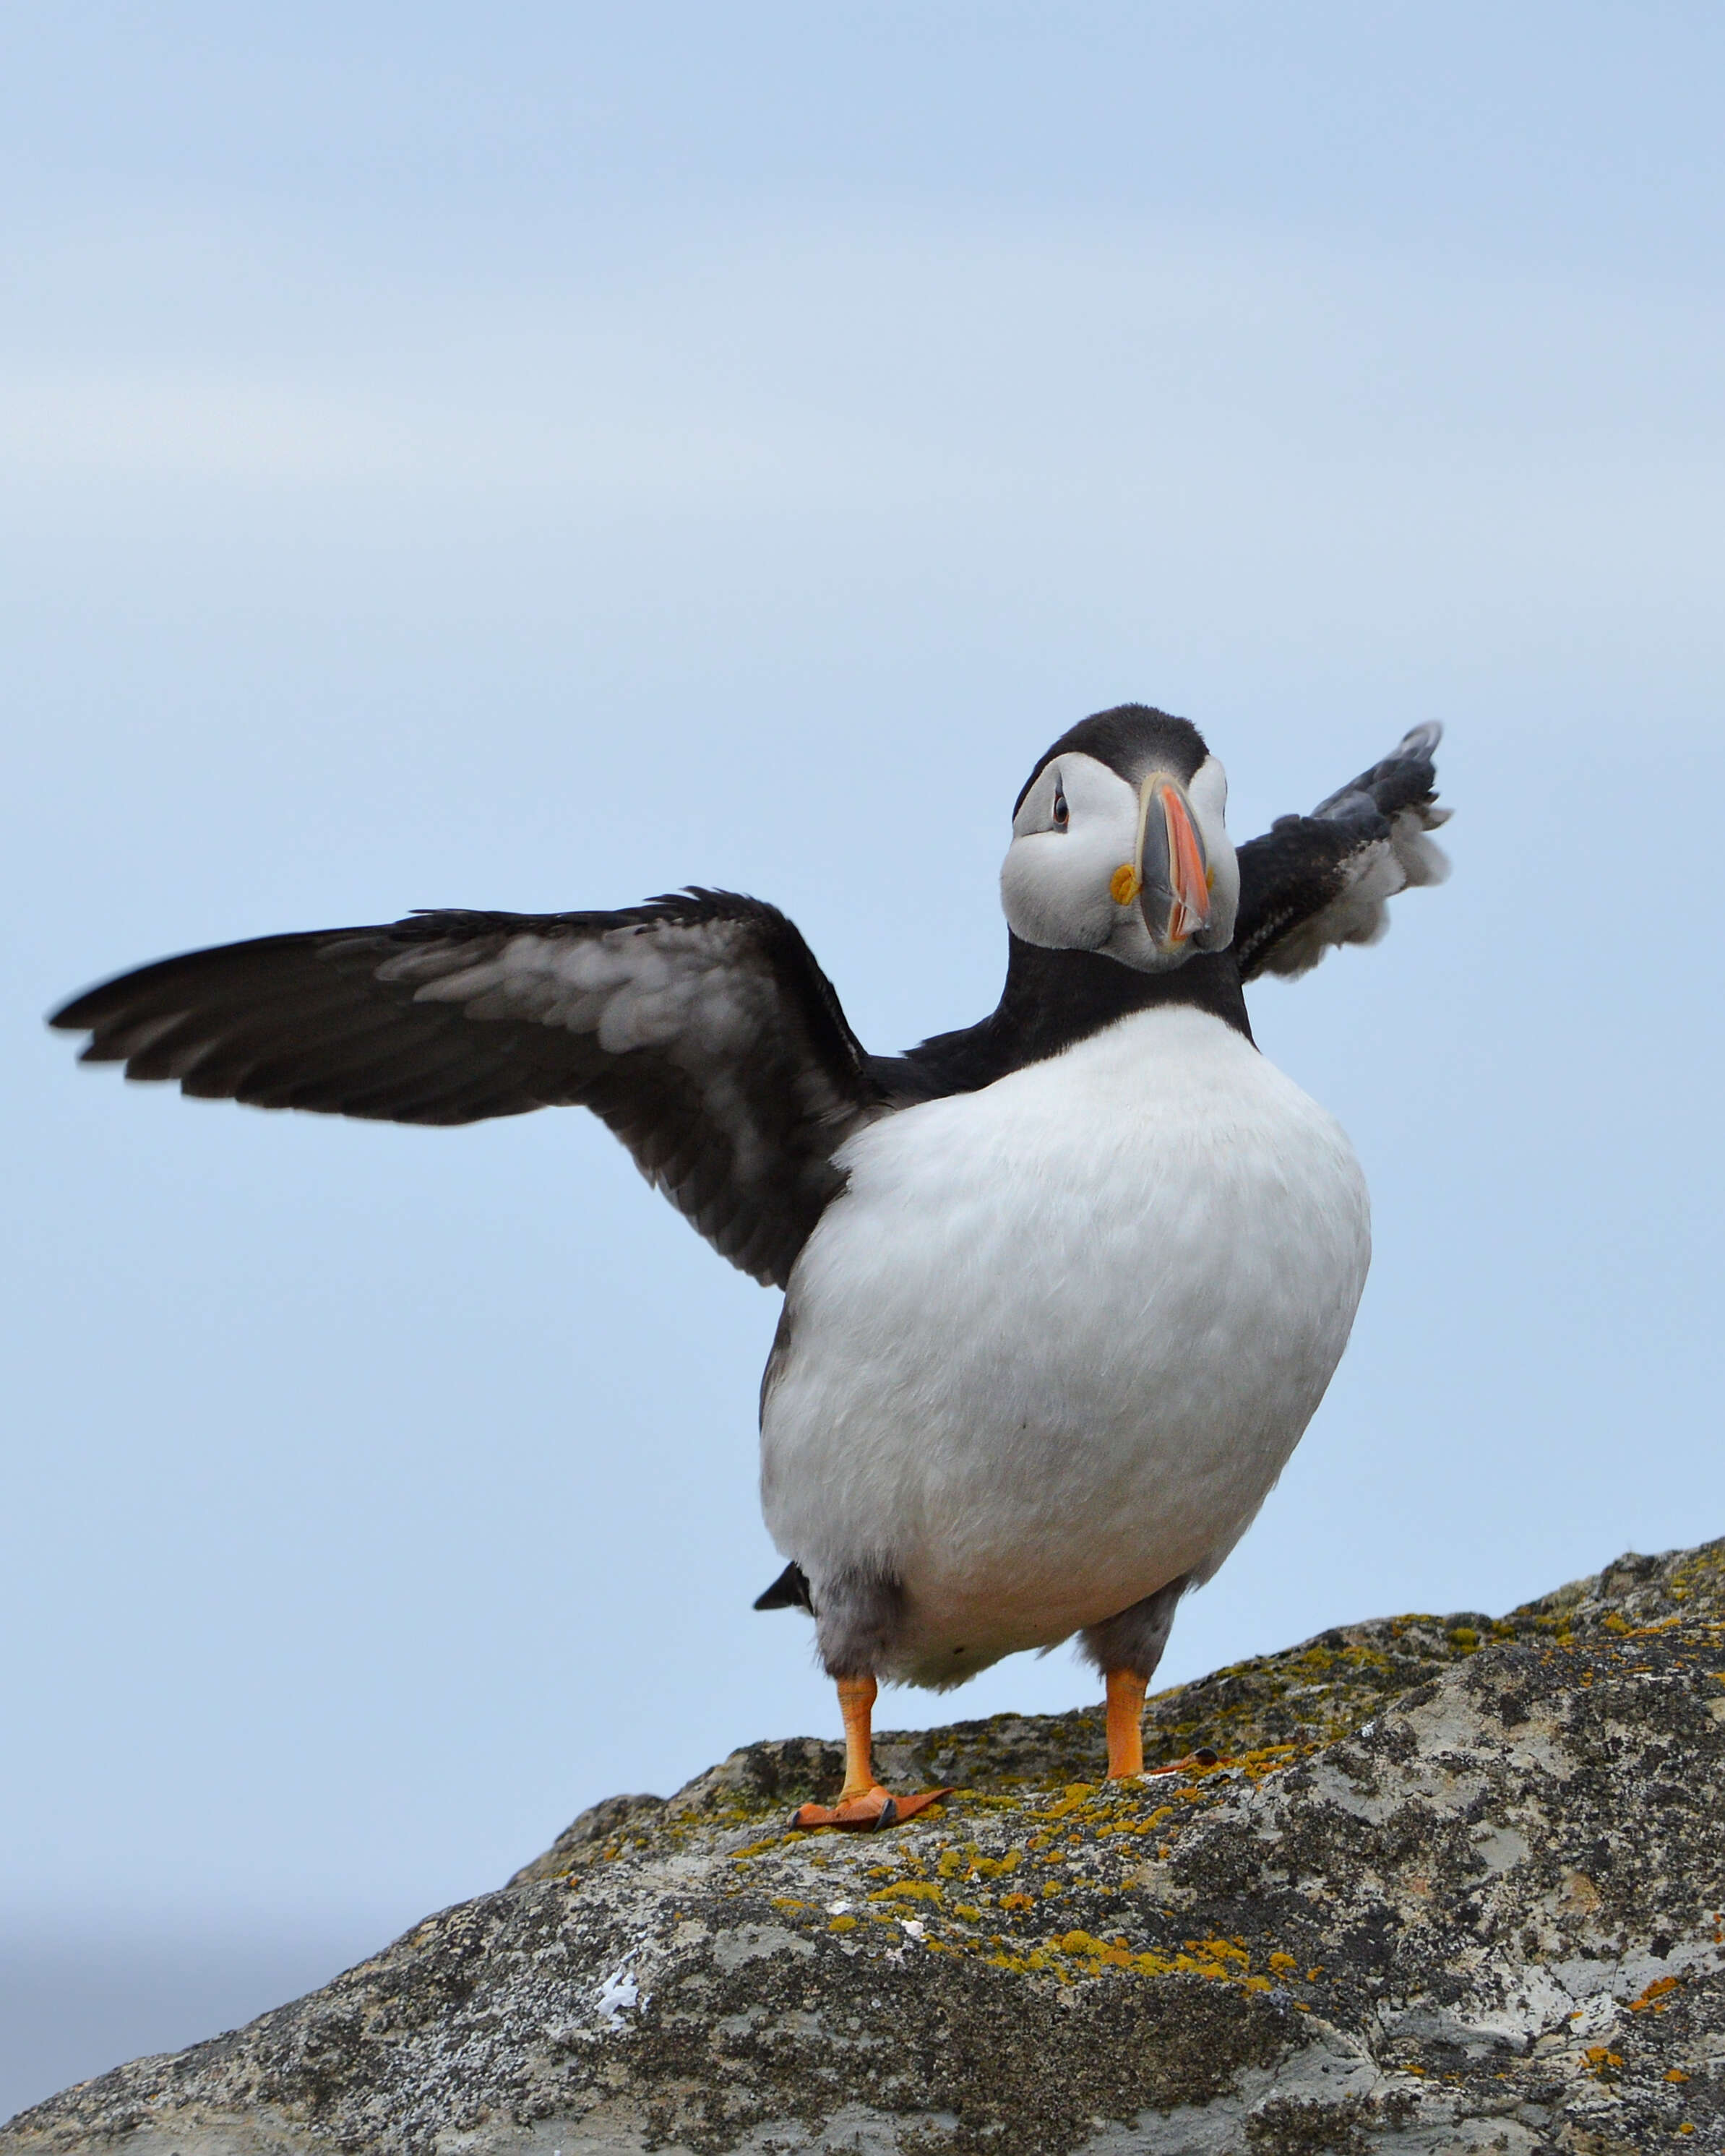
865,1814
864,1807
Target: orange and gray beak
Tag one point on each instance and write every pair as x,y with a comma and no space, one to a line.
1170,878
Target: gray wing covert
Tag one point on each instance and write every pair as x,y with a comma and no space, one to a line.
698,1027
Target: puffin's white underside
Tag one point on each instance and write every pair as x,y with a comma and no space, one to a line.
1056,1341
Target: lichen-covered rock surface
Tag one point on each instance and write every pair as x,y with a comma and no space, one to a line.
1453,1884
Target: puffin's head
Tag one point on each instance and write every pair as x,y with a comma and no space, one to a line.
1119,846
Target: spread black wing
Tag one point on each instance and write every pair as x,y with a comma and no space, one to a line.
698,1026
1313,882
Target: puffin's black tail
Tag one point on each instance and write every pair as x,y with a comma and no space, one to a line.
789,1591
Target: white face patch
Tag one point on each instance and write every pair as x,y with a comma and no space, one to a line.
1057,881
1054,882
1208,795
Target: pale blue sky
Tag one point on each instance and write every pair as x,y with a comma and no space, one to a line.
533,458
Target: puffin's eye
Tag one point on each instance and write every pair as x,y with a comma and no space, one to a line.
1062,813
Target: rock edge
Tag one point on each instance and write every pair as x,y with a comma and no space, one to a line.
1454,1884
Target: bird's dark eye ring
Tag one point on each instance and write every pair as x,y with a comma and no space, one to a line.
1062,813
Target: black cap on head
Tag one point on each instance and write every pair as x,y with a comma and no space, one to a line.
1133,739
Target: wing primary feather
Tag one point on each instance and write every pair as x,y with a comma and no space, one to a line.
697,1025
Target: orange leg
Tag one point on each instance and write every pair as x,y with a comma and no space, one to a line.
856,1704
862,1804
1126,1723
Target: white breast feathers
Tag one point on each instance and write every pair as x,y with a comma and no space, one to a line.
1053,1345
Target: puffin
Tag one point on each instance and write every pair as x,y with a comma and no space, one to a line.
1062,1289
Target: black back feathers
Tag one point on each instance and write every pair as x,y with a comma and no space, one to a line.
789,1591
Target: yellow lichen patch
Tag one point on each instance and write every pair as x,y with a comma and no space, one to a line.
1653,1995
1367,1658
1018,1901
997,1867
1603,2064
757,1848
1216,1960
1282,1963
908,1890
1219,1950
841,1923
971,1914
1464,1637
1675,2074
784,1901
1074,1798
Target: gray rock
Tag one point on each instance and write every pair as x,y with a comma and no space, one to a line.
1454,1884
